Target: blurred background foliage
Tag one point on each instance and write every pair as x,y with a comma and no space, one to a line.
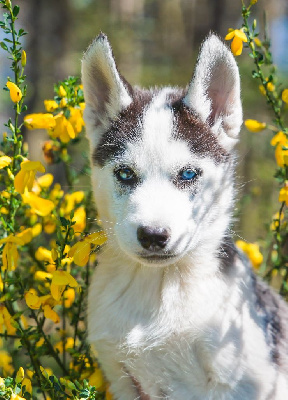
156,42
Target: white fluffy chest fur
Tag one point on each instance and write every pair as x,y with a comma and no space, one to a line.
179,335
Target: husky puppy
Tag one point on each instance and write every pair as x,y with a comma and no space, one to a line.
175,311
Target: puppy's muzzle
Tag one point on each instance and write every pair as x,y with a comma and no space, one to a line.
153,239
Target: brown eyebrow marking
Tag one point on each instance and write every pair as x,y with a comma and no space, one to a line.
127,127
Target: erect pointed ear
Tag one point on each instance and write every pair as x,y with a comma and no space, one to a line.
214,92
106,93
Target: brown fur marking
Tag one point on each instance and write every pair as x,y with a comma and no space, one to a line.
197,134
125,128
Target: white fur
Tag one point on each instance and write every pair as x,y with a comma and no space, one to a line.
183,329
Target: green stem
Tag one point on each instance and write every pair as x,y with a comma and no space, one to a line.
53,353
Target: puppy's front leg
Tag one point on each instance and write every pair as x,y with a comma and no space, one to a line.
122,385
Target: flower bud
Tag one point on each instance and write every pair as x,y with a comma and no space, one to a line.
63,103
54,254
71,385
20,375
8,4
62,91
23,58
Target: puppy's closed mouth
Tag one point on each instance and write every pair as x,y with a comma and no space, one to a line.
157,257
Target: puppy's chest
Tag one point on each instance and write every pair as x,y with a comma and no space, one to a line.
153,338
180,361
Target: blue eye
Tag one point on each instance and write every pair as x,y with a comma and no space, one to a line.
187,174
126,175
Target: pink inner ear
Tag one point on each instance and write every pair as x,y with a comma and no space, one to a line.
220,102
221,91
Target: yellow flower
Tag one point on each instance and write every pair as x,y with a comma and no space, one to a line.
254,126
42,276
283,195
36,230
279,138
20,375
276,220
51,314
28,386
50,105
39,121
25,177
46,372
45,181
40,342
5,161
76,119
69,344
238,37
62,92
82,249
6,363
63,129
69,297
285,96
15,396
56,193
252,251
71,200
61,279
270,86
15,92
40,206
10,254
63,103
262,90
6,321
281,154
49,224
43,254
97,380
80,219
32,300
258,42
26,235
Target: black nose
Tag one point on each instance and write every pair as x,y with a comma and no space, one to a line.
153,238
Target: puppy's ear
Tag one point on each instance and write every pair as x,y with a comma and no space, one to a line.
106,93
214,92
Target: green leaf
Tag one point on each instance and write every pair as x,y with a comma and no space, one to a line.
64,222
4,46
16,10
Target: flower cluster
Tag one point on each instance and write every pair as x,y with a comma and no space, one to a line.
277,99
45,246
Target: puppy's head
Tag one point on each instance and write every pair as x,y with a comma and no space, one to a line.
162,159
